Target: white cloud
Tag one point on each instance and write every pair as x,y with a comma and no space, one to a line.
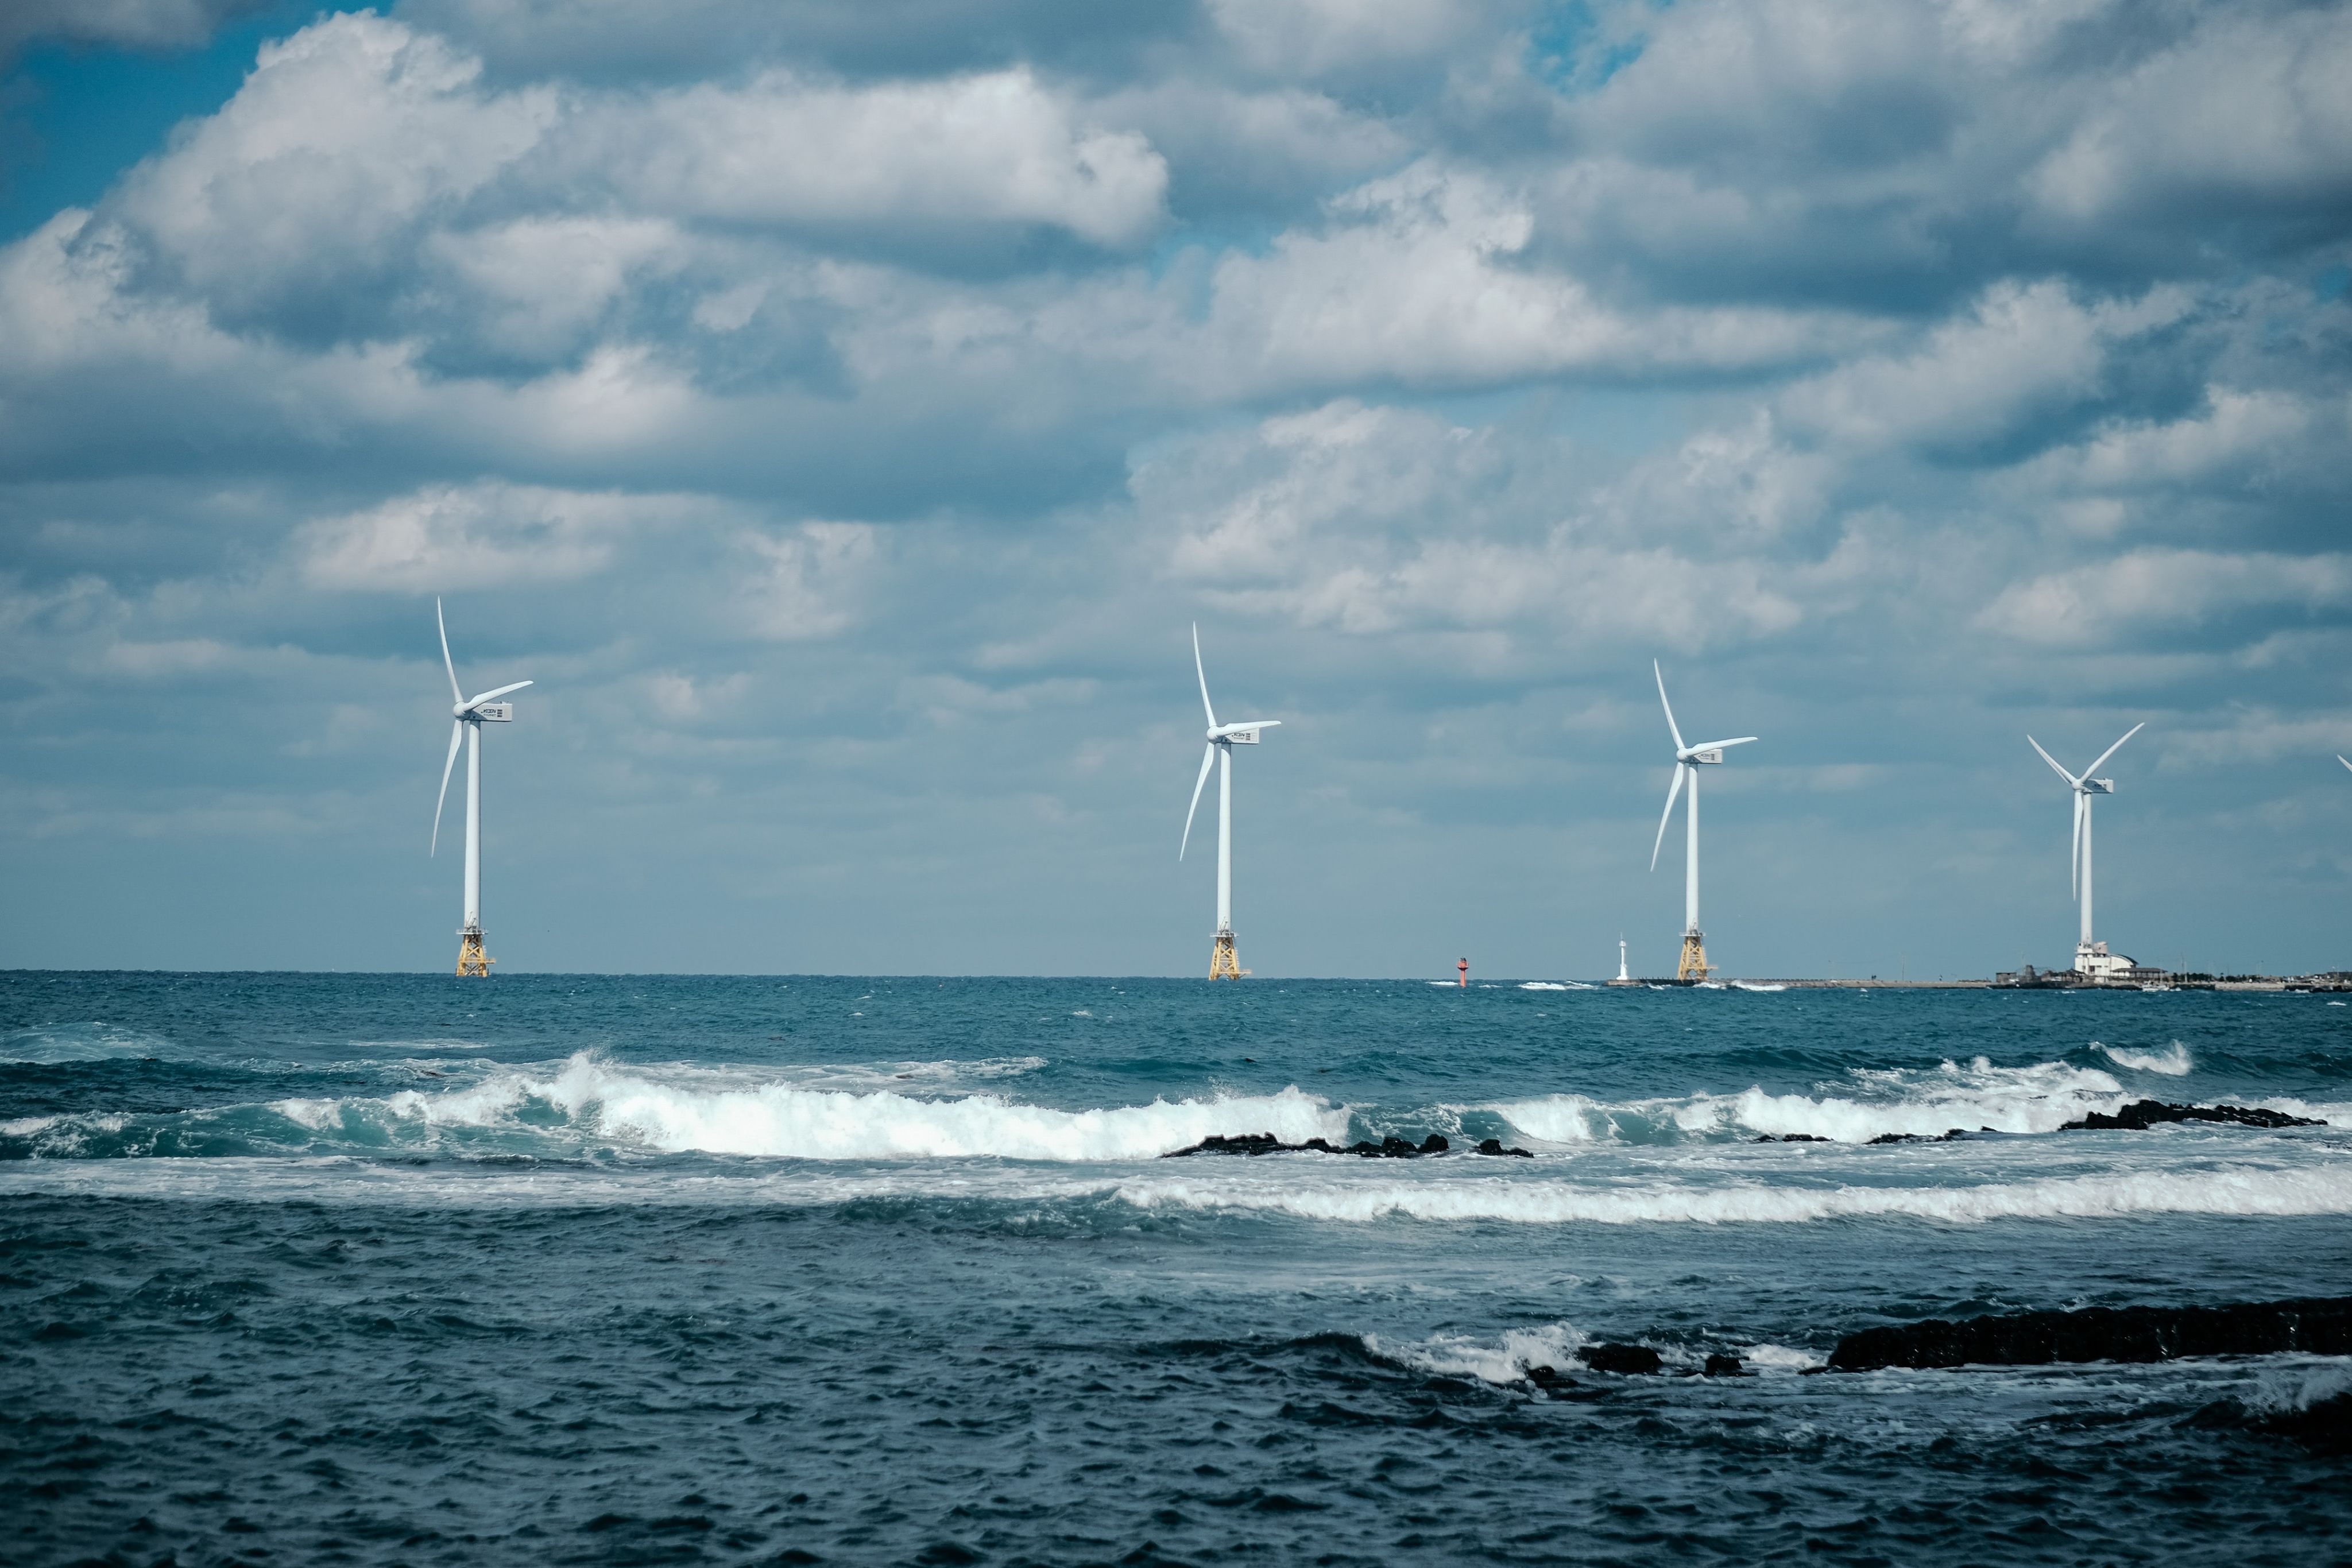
2236,432
541,282
1422,277
806,582
1312,37
2163,591
2023,350
142,23
1375,521
310,180
445,538
2250,108
998,147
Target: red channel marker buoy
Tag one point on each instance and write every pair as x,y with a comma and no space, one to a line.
1464,967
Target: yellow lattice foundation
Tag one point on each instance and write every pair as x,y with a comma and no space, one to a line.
1693,965
469,956
1222,965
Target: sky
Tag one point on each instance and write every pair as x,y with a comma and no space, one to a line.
844,411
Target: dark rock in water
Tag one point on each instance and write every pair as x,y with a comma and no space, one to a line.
1721,1365
2321,1326
1626,1358
1794,1138
1494,1146
2146,1113
1242,1143
1544,1377
1391,1148
1955,1132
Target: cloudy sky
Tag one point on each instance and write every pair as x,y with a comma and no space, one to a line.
841,410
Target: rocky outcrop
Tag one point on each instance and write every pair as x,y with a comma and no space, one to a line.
1389,1149
2140,1116
2321,1325
1634,1359
1494,1146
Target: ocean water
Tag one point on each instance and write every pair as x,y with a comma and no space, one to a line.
406,1269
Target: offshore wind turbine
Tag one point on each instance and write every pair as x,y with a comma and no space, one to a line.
1688,759
469,715
2090,958
1223,738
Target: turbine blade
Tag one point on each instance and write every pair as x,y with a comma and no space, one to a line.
1197,670
1671,727
1207,760
457,739
2118,745
1672,791
455,695
1249,724
2071,779
498,692
2340,757
2074,861
1719,745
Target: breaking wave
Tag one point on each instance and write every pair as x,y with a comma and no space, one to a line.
2321,1190
1979,1096
589,1103
1509,1358
2173,1062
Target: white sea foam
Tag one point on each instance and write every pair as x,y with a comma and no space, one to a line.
1753,986
2247,1190
1558,1118
2041,1098
1509,1358
89,1041
2173,1060
611,1101
2290,1390
1503,1361
1554,986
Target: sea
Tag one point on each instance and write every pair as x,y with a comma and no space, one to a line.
405,1269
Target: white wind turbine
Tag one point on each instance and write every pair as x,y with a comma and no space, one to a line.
2090,958
470,715
1688,759
1223,738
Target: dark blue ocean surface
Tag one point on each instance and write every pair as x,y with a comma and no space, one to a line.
404,1269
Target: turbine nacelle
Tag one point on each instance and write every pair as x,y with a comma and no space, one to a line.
1705,754
483,708
1245,733
2083,787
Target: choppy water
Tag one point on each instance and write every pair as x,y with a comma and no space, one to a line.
327,1268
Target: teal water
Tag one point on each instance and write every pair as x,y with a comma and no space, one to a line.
397,1268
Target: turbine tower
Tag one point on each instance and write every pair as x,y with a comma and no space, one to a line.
471,714
1223,738
2090,958
1688,759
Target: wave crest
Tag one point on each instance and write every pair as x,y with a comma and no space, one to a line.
2173,1062
2323,1189
2041,1098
